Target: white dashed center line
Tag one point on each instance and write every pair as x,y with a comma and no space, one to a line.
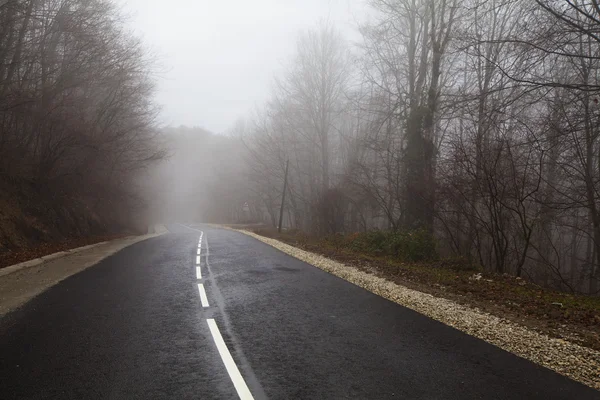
203,298
232,369
234,373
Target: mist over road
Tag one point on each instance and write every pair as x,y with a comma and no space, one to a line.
206,313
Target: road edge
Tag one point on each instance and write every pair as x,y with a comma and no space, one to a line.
569,359
27,281
158,230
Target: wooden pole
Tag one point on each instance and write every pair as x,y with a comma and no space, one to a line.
287,164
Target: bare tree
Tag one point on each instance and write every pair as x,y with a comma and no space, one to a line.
476,121
77,123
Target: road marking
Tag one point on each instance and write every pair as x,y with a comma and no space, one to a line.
232,369
203,298
198,260
198,273
198,251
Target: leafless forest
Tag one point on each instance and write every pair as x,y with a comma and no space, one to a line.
476,122
76,119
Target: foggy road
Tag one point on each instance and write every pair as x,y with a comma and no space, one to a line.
206,313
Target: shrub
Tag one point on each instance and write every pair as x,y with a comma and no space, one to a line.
373,242
412,246
417,245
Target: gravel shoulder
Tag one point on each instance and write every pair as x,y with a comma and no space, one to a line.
572,360
22,285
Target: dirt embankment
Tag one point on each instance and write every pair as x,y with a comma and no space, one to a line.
34,223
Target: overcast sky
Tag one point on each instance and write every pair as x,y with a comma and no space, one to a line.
219,56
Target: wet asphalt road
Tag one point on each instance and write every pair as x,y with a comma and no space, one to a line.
133,327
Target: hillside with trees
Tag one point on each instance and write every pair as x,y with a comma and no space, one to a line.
77,122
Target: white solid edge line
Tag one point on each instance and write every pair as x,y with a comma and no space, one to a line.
232,369
203,298
198,260
198,273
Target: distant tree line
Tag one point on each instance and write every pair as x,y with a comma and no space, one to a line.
77,123
477,121
203,178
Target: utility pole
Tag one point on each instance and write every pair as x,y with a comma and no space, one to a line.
287,165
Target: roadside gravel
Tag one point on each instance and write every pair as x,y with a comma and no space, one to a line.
579,363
